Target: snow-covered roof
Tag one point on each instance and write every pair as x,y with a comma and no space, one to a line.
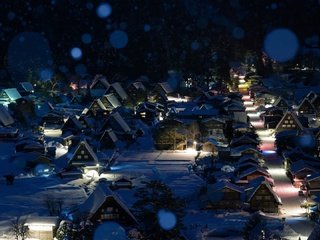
42,220
112,100
120,91
125,127
300,165
88,148
237,151
139,85
243,138
253,170
27,86
313,176
293,116
224,184
98,197
276,197
102,80
166,87
75,121
12,93
5,117
111,135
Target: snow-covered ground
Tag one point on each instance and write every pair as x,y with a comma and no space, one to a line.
28,193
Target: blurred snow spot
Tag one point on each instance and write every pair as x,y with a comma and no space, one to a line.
195,45
45,74
63,69
281,44
167,220
11,16
306,140
238,33
86,38
76,53
104,10
109,231
147,27
118,39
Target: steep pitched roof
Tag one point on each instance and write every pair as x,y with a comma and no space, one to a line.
280,101
110,134
86,147
111,100
12,93
243,138
306,101
139,85
166,87
237,151
225,184
313,176
100,79
300,165
120,91
276,197
117,117
27,86
5,117
293,116
98,197
254,169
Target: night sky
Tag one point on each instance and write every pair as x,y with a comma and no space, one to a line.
133,38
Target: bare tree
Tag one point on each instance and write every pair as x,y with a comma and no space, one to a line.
19,229
54,205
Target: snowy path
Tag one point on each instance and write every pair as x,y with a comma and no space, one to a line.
291,210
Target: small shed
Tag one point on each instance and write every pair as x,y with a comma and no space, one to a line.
42,228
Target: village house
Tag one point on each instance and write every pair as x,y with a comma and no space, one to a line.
242,150
289,121
261,196
104,205
108,139
72,125
312,184
5,117
247,175
117,89
281,104
212,127
84,157
170,135
42,228
99,86
306,108
271,117
110,101
150,113
223,195
119,125
299,170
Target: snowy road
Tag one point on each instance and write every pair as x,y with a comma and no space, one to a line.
291,210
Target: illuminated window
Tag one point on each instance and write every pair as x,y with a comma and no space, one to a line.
286,121
82,152
291,121
79,157
86,156
284,125
293,125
